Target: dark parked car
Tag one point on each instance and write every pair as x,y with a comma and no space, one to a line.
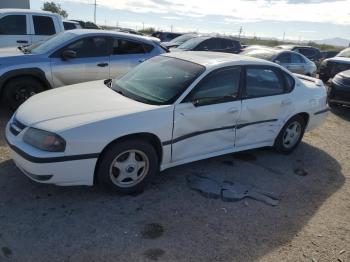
313,53
71,25
332,66
179,40
87,25
339,90
210,43
329,54
166,36
294,62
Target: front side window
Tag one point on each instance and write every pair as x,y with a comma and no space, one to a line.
90,47
13,25
159,80
43,25
219,86
127,47
263,82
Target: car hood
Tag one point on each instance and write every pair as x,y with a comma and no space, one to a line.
345,74
10,51
75,105
345,60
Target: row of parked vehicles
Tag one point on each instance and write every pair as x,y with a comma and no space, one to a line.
200,104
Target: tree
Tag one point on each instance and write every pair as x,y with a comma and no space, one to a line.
54,8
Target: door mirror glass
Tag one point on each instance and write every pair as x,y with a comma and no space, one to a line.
68,54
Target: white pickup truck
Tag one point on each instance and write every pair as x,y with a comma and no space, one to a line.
24,26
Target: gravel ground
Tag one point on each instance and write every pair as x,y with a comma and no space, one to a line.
171,222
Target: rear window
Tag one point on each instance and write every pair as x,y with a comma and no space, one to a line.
69,26
13,25
43,25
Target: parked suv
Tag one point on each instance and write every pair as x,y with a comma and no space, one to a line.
23,26
313,53
332,66
70,57
211,43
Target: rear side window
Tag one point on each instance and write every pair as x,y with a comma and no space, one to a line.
127,47
43,25
263,82
297,59
209,44
284,58
13,25
223,84
90,47
69,26
229,44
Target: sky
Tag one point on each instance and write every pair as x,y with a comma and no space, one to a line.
296,19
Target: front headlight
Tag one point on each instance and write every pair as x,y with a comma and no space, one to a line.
44,140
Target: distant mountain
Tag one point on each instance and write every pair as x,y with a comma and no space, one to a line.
337,41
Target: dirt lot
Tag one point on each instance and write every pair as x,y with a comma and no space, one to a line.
171,222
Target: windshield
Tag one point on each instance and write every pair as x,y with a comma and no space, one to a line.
50,43
182,38
344,53
192,43
159,80
259,53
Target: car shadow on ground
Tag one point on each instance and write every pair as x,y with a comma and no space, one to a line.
342,111
168,221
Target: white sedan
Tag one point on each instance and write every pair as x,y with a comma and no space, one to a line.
170,110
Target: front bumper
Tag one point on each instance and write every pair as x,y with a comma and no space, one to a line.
59,170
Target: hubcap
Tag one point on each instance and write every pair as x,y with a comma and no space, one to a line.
23,94
292,134
129,168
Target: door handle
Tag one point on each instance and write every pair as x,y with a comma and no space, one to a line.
22,41
102,64
286,102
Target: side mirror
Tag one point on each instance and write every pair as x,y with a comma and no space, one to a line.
68,54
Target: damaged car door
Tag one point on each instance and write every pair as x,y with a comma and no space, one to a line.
206,118
266,102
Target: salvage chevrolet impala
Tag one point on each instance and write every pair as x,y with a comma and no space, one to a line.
172,109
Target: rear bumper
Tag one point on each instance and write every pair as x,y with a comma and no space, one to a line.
317,119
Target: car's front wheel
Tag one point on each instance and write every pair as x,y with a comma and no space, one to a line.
128,166
18,90
290,135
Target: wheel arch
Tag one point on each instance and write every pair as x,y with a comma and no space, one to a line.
149,137
36,73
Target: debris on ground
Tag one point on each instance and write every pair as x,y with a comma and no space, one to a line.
229,191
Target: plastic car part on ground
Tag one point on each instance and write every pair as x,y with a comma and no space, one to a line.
229,191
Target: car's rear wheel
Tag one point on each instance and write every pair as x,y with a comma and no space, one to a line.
18,90
290,135
127,167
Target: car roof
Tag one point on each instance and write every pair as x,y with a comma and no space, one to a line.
114,33
30,11
213,59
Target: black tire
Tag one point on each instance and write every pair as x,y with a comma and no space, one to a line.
279,142
17,90
105,170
